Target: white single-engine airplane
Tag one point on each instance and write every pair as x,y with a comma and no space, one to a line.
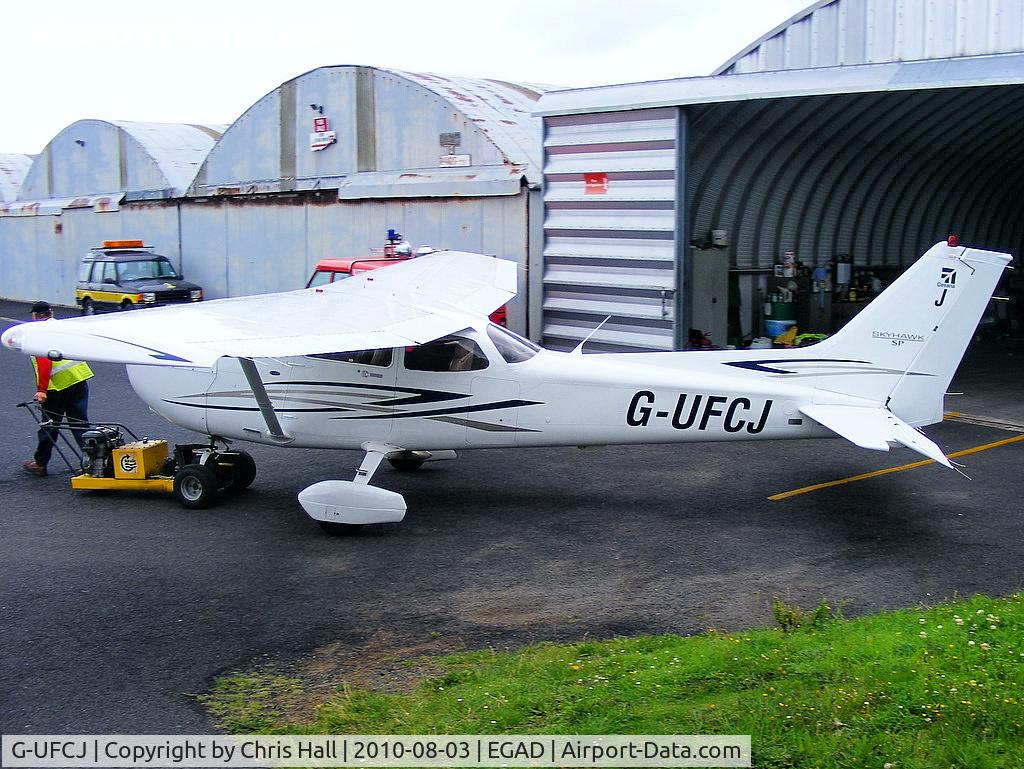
403,364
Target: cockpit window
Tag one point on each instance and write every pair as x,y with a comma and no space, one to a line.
380,358
512,347
451,353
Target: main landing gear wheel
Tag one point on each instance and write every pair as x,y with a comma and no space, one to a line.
87,307
195,486
406,462
243,470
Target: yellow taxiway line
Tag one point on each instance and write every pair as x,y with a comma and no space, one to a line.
886,471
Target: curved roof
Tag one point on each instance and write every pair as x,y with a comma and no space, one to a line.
502,110
381,121
831,33
879,176
100,156
12,173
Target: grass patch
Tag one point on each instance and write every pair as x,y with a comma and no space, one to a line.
942,686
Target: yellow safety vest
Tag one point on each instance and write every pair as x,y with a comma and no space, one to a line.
64,373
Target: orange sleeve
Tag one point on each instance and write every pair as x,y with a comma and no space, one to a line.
44,366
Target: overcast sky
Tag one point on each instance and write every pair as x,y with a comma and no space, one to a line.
188,61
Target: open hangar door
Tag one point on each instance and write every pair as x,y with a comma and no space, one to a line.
868,164
875,177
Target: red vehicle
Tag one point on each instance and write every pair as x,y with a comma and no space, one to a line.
331,270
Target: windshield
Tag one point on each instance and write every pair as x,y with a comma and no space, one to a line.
150,268
512,347
320,278
450,353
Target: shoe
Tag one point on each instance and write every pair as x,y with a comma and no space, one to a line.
30,467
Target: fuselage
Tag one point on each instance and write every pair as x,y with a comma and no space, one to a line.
511,396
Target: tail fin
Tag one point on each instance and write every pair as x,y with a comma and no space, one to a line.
905,346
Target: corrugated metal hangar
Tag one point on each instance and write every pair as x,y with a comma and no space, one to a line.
877,128
849,138
321,166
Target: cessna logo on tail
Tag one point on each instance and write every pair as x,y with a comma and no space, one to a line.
947,282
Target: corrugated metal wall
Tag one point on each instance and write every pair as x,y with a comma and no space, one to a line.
244,246
838,32
92,157
878,176
266,204
383,120
235,246
40,254
610,220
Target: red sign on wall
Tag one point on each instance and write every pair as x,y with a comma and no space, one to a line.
319,124
595,184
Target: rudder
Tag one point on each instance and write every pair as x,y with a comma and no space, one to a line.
905,346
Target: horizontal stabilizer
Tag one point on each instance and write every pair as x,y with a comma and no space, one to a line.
874,428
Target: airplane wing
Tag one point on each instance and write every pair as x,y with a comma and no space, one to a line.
408,303
874,428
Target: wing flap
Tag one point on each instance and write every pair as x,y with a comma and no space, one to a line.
874,428
404,304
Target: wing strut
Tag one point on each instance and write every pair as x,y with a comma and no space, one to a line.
259,391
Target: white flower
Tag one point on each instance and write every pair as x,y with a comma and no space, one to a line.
985,647
923,634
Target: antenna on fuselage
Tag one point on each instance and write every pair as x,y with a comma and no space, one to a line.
579,347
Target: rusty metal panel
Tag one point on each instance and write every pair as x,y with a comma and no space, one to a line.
433,183
382,120
502,111
56,206
610,221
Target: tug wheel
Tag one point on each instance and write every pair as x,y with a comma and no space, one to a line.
195,486
243,470
87,307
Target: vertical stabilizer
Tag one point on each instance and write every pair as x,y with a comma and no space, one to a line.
907,344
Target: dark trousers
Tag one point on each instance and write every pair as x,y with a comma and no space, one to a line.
71,403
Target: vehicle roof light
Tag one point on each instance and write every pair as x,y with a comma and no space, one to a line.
951,241
122,244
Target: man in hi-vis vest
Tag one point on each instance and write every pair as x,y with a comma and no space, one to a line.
62,391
